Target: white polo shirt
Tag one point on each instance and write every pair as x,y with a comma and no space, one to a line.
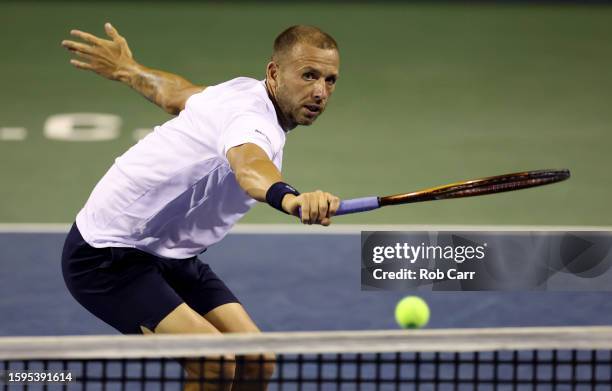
173,194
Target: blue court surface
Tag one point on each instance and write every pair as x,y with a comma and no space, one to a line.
287,282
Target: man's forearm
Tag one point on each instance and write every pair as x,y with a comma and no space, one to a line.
257,178
167,90
254,171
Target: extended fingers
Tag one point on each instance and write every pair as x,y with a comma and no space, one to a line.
81,64
112,32
87,37
84,56
77,47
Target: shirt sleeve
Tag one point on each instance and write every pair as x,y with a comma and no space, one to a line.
250,128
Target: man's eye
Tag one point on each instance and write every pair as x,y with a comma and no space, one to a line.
331,81
309,76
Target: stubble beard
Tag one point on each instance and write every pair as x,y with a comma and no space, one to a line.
287,113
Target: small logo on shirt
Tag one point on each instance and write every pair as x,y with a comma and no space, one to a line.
263,134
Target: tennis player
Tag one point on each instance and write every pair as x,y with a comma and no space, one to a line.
131,257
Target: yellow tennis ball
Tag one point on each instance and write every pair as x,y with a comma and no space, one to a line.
412,312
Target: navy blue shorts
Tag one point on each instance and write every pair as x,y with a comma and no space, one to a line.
127,288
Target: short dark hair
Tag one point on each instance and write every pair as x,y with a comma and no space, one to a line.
310,35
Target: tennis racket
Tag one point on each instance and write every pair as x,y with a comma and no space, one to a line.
475,187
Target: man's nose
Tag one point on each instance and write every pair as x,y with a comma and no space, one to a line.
320,91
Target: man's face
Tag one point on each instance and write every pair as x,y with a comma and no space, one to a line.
302,82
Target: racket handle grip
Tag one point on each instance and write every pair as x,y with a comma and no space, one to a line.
356,205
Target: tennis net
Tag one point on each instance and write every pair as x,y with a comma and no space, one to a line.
564,358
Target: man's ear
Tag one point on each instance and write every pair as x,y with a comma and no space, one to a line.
272,74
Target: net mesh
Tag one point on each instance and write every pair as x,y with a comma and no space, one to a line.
476,359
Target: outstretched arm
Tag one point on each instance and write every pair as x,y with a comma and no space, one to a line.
113,59
255,173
